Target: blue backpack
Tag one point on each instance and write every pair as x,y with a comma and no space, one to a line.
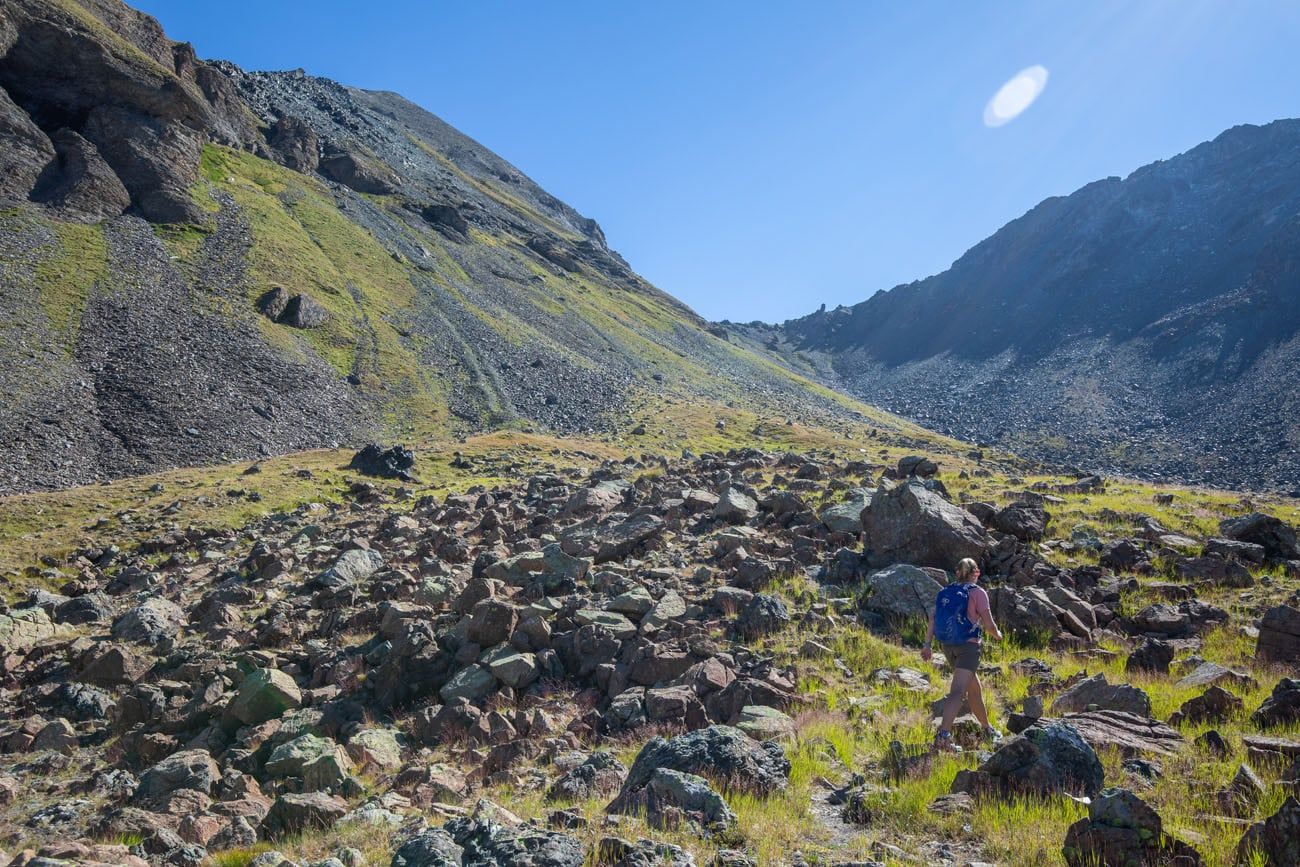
951,625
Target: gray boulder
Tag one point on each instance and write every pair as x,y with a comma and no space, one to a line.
846,517
151,622
27,150
350,567
190,769
599,774
1279,635
264,694
735,507
296,814
1281,708
1045,759
487,843
911,524
23,627
1096,693
431,848
1277,538
671,797
762,615
900,591
717,752
1276,840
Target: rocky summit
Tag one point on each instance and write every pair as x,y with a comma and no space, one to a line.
200,263
1144,325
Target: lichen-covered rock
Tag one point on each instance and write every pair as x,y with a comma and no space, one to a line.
295,814
1123,830
718,752
600,774
151,622
264,694
1044,759
900,591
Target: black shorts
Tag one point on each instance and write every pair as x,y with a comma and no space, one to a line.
965,656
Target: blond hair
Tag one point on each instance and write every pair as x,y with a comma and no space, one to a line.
966,568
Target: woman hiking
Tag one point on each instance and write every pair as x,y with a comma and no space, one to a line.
960,610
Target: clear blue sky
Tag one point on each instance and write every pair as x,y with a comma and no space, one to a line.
756,159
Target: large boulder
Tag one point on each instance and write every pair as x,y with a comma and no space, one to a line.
1153,656
1279,636
84,184
846,517
27,150
1130,734
432,847
319,762
472,683
1274,841
909,523
762,615
612,538
900,591
189,769
23,627
1215,705
599,775
295,144
672,797
352,166
1277,538
390,463
1027,613
156,160
1026,521
1095,693
735,507
1047,758
265,694
151,622
296,814
1122,830
350,567
718,753
488,843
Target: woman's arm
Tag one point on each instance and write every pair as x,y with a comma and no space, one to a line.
979,610
926,653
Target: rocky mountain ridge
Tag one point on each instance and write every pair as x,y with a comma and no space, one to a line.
198,263
1141,325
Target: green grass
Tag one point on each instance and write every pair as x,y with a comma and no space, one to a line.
65,276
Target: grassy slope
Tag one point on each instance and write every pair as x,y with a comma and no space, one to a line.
845,726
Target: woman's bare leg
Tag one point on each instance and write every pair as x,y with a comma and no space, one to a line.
976,697
961,679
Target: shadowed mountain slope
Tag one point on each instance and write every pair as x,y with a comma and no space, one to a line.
1144,325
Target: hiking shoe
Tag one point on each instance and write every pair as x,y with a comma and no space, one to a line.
992,734
943,743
